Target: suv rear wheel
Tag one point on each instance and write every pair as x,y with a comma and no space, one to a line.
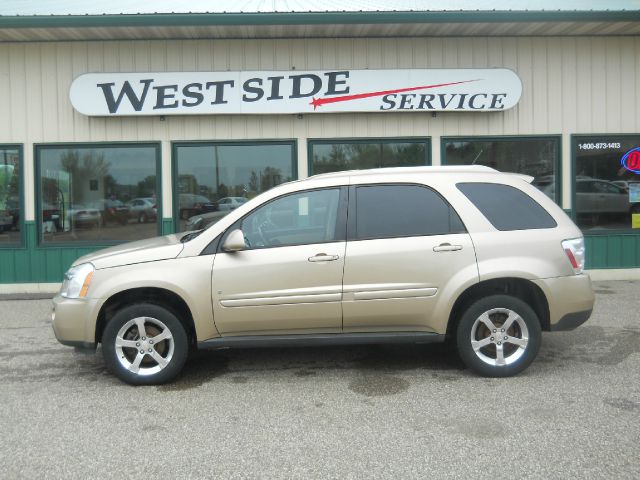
145,344
498,336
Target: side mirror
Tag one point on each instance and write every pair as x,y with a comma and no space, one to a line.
234,242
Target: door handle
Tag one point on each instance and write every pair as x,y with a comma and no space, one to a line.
323,257
447,247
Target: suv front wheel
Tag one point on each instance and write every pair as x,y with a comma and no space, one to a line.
145,344
498,336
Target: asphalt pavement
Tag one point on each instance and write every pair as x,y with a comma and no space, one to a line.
357,412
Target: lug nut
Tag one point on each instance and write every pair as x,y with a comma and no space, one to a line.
506,338
137,344
150,342
144,338
491,339
142,351
149,350
502,330
494,330
499,343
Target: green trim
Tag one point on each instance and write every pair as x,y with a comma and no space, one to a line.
312,18
21,196
506,138
167,226
573,139
365,140
38,147
190,143
612,251
33,264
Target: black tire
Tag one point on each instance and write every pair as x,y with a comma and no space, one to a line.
516,357
150,371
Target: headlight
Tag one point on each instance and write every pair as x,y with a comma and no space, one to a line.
77,280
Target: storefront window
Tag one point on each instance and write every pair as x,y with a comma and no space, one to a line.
214,178
10,186
535,156
607,182
97,194
336,155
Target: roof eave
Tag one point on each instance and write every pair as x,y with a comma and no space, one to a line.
312,18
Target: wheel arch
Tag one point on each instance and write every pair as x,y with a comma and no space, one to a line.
520,288
157,296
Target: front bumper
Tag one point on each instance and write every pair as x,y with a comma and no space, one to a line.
571,300
73,321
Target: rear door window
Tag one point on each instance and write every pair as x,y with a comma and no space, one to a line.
506,207
387,211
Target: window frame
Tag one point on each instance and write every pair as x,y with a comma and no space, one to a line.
573,140
341,220
353,212
22,243
38,147
175,196
506,138
367,140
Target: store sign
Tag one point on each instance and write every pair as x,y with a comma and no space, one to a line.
267,92
631,160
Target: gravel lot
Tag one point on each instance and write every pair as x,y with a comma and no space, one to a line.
360,412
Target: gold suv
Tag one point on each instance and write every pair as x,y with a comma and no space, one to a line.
396,255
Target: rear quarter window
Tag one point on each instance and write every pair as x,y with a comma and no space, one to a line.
506,207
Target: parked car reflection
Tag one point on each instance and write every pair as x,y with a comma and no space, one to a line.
230,203
600,203
191,204
595,196
205,220
143,209
112,211
79,216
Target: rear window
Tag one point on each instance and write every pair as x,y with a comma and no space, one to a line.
506,207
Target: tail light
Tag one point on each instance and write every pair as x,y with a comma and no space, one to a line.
574,249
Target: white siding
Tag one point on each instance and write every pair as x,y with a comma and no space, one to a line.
571,85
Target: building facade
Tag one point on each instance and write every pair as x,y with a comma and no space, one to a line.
71,183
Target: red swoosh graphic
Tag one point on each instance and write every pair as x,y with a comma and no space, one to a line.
318,102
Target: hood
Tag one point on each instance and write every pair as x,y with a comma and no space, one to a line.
149,250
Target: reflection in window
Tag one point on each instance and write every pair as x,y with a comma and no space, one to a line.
214,179
333,156
298,219
97,194
607,194
537,157
9,196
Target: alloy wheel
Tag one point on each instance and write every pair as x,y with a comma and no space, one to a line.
144,345
499,337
